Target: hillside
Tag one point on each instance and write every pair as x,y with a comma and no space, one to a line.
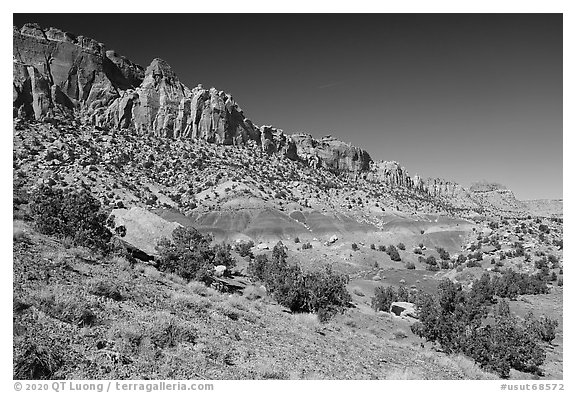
114,164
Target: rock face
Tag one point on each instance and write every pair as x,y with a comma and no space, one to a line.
56,72
331,154
143,228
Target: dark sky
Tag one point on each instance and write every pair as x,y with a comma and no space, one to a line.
464,97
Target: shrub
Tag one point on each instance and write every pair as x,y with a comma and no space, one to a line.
190,255
323,291
74,309
257,267
372,246
355,247
306,246
454,319
105,289
382,248
410,266
401,246
36,358
244,249
418,251
383,298
73,214
297,240
444,255
393,253
544,328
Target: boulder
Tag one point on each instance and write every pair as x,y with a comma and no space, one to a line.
404,310
219,270
143,228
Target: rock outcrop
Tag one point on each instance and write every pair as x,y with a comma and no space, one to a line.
332,154
59,72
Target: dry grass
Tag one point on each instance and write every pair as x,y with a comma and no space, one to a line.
152,272
121,262
253,293
308,320
400,334
175,278
200,289
192,301
66,306
403,374
470,369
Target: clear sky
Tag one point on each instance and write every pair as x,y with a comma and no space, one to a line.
463,97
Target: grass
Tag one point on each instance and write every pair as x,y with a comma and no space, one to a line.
191,301
308,320
69,307
72,327
400,334
403,374
105,288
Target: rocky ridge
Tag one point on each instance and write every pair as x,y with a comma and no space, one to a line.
59,74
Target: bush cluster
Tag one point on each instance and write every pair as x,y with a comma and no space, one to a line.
323,291
76,215
190,255
457,321
385,296
244,249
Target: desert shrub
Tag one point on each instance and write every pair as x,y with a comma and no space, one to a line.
74,309
190,255
372,246
106,289
454,319
322,291
355,247
543,328
560,282
418,251
382,248
167,331
306,246
393,253
410,265
36,357
553,259
244,249
257,267
73,214
511,284
473,263
444,255
383,298
401,246
417,328
296,239
541,263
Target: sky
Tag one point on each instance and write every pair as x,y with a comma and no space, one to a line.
465,97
